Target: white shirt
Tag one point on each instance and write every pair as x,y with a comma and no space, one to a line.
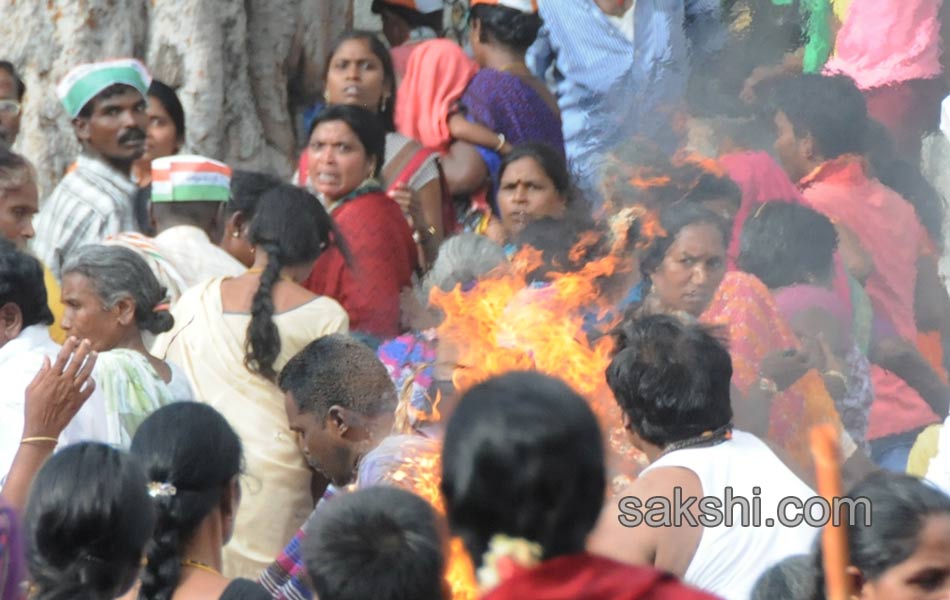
20,361
625,23
729,560
194,256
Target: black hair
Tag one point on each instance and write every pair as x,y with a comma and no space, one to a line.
551,162
784,243
116,272
366,125
17,80
673,219
380,542
523,456
566,244
901,505
88,519
830,109
169,100
387,115
198,213
712,187
904,177
293,230
141,202
190,446
506,26
338,369
22,284
113,90
790,579
15,170
671,379
247,187
414,18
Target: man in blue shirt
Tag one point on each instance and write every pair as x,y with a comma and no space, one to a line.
620,69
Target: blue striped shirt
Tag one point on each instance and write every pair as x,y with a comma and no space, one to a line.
610,89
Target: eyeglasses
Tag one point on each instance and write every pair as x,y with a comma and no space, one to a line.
9,107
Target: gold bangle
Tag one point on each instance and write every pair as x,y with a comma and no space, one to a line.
419,234
33,440
502,140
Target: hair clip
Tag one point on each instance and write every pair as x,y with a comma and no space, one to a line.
161,490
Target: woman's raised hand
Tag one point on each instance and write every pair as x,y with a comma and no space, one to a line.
409,202
59,390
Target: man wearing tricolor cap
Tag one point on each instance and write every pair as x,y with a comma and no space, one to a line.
188,195
406,22
106,102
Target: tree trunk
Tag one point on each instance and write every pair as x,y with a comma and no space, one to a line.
243,69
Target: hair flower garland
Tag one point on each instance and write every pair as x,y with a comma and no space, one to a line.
506,557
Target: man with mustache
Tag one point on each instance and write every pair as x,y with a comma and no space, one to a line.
12,90
106,102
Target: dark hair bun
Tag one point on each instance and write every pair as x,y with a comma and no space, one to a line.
158,322
508,26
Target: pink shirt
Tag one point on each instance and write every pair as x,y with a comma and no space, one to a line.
888,229
884,42
761,180
886,226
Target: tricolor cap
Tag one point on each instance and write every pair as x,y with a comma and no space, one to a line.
186,178
84,82
420,6
525,6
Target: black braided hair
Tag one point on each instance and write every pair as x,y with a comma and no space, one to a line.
292,228
191,447
263,338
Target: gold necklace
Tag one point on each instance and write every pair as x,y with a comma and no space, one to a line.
187,562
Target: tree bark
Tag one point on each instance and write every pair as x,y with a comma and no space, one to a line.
243,69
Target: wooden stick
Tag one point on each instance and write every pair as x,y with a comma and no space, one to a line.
825,448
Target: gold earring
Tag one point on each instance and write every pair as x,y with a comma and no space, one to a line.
236,234
382,104
326,97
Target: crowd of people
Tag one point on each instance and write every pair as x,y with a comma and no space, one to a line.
221,383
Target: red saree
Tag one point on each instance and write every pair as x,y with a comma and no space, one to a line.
384,258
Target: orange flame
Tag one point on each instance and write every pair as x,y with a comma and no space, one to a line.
503,325
647,182
420,473
709,165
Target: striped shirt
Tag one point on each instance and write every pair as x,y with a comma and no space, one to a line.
91,203
390,463
611,88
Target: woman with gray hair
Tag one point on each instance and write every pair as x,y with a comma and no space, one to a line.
410,358
111,298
